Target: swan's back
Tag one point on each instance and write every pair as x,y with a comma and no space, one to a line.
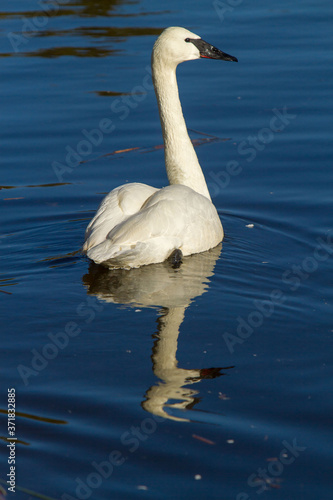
116,207
174,217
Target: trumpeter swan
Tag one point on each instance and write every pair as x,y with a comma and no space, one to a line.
138,224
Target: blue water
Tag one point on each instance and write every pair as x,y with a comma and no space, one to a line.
208,381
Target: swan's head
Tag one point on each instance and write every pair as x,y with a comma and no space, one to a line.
176,45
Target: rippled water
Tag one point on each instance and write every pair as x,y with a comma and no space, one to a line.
209,381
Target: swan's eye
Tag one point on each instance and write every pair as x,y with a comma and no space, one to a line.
187,40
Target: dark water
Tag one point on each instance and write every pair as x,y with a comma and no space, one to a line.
103,409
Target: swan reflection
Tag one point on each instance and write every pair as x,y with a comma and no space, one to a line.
172,290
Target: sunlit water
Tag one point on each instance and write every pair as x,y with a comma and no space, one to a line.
208,381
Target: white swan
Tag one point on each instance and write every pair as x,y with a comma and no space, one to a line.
138,224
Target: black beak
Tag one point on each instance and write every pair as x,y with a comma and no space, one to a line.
208,51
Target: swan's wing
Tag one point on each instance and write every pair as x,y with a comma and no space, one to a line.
116,207
173,217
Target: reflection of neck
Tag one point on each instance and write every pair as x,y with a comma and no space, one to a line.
181,161
165,368
164,353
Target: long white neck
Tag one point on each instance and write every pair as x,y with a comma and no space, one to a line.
181,161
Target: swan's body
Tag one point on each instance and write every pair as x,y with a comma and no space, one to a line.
138,224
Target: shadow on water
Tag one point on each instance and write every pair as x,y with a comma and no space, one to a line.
80,8
173,290
35,24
